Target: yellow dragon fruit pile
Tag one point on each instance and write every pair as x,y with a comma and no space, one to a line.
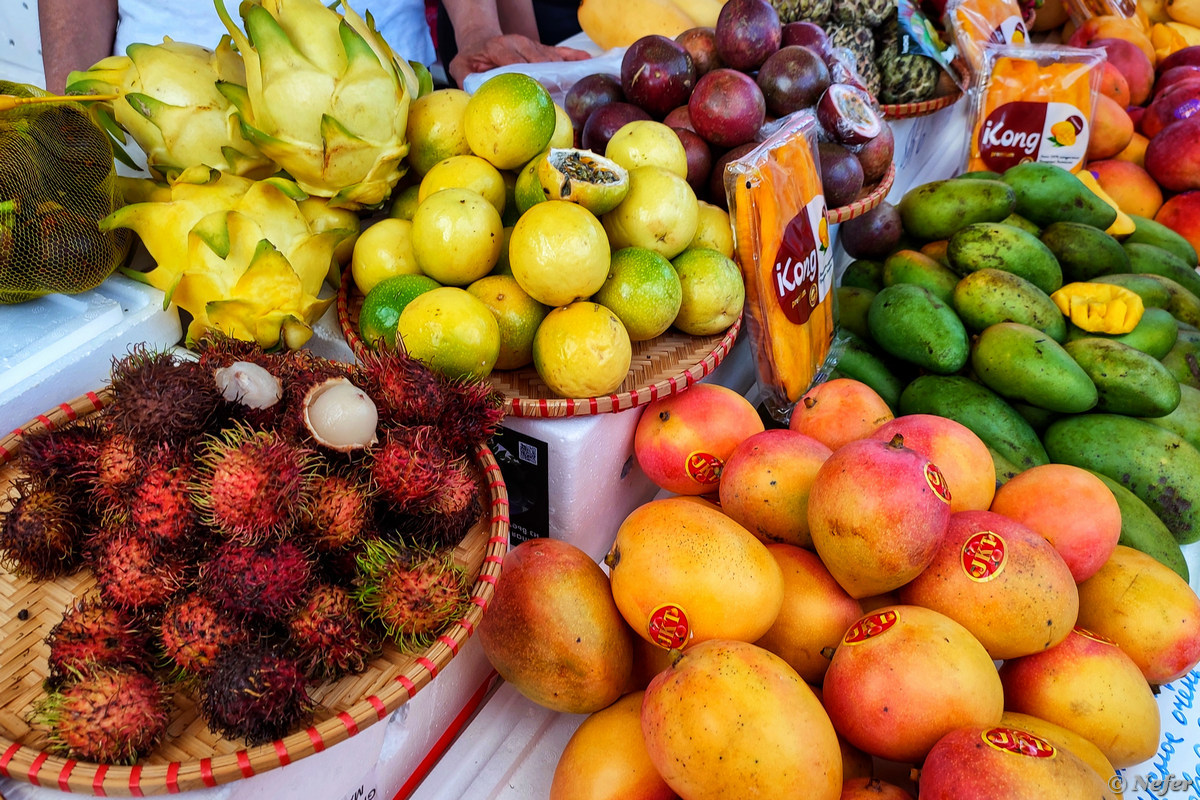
300,102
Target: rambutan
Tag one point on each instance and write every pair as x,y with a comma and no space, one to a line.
414,594
65,456
158,397
94,635
445,520
330,636
40,535
118,468
255,693
264,581
408,466
338,511
251,484
160,506
134,571
471,416
406,391
193,632
112,716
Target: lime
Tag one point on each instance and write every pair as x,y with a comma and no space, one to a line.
580,176
404,204
456,236
646,143
435,128
382,306
582,350
713,229
517,314
465,172
564,131
528,192
659,212
713,291
453,332
384,249
509,119
558,252
643,290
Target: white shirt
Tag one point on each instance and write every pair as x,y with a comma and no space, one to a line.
401,22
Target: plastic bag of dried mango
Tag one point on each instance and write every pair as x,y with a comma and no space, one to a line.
57,181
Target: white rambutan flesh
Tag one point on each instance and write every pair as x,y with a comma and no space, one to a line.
340,415
249,384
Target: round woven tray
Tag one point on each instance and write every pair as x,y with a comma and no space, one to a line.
191,756
866,202
920,109
662,366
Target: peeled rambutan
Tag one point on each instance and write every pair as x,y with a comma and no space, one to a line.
193,632
330,636
65,456
471,416
414,594
339,510
111,716
93,635
255,693
251,484
405,390
40,535
136,572
408,466
264,581
158,397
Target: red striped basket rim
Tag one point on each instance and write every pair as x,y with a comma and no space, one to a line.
868,202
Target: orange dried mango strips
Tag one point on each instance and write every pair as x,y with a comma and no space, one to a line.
781,243
977,22
1034,104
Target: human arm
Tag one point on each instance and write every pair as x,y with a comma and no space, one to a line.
74,36
484,42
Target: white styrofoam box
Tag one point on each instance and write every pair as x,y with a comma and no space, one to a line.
56,348
20,43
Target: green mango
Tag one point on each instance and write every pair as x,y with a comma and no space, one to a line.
910,323
1155,333
988,296
1142,530
994,245
856,360
1025,364
937,209
1047,194
1083,252
863,273
1153,293
1017,221
980,173
1127,380
1038,418
912,266
1183,360
1185,419
1148,231
852,305
1153,260
1181,303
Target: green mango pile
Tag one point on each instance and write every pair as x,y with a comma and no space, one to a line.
958,321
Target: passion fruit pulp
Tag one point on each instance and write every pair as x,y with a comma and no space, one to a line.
846,113
597,183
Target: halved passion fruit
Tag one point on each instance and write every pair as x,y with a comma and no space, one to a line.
597,183
846,113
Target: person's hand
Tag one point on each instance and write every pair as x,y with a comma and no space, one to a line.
512,48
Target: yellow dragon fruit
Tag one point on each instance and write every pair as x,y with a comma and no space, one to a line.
238,255
325,97
169,103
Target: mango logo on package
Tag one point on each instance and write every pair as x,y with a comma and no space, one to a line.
703,468
668,627
800,278
937,481
1095,637
984,555
823,234
1019,742
870,626
1012,31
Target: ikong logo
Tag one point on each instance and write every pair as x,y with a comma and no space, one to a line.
1022,131
801,274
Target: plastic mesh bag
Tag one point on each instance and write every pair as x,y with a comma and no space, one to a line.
57,181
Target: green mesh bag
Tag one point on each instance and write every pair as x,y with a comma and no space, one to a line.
57,181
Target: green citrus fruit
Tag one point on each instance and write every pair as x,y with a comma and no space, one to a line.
646,143
382,306
404,204
465,172
509,119
435,128
456,236
451,331
580,176
713,291
582,350
659,212
528,192
559,253
643,290
713,229
383,249
517,314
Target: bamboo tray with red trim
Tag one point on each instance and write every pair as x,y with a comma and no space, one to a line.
660,367
868,201
191,756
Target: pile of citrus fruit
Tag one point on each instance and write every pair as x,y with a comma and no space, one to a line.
510,247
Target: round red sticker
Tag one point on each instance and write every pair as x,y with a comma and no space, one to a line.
668,627
936,481
870,626
1095,637
1022,743
703,468
984,554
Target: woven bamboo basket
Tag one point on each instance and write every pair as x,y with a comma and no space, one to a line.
191,756
660,367
924,107
868,201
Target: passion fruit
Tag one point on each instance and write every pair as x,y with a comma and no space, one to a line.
727,107
846,113
597,183
607,120
701,44
657,74
589,93
792,78
747,31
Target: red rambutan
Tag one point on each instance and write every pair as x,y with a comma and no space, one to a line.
339,510
264,581
160,506
408,466
251,484
255,693
158,397
193,632
330,636
112,716
414,594
117,468
66,455
134,571
406,391
40,535
471,416
92,634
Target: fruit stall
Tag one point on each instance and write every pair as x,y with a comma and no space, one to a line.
794,398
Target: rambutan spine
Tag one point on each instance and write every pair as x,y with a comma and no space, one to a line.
413,594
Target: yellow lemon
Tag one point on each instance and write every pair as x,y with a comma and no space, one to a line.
456,236
452,331
559,253
380,312
509,120
383,249
643,290
646,143
713,229
517,314
713,291
582,350
435,128
465,172
659,212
